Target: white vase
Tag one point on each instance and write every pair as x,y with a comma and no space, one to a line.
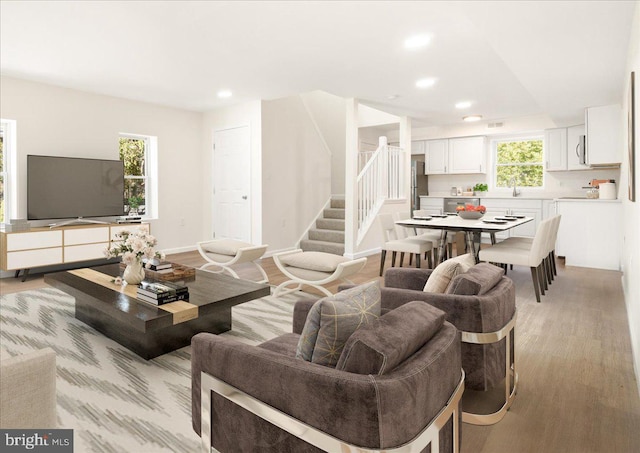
133,273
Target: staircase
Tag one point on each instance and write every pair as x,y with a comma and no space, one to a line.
328,235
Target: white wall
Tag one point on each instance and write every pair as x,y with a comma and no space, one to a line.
329,115
247,114
296,172
65,122
631,211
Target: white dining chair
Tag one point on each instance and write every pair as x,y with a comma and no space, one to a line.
451,236
405,232
520,254
550,269
391,242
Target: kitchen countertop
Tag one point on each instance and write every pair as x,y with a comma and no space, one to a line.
590,200
498,197
520,197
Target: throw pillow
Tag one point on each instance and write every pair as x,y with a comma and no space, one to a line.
477,281
443,273
332,320
382,345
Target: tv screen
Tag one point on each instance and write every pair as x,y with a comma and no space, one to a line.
65,187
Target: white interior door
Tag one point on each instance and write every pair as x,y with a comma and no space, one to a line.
231,184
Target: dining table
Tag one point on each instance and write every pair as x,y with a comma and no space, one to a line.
472,228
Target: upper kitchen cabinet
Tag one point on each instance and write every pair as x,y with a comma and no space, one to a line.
604,126
573,153
417,147
436,154
466,155
555,145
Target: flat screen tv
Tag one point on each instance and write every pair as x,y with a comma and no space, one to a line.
66,187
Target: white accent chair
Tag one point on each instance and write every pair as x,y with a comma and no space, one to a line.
224,253
395,244
314,269
520,253
28,390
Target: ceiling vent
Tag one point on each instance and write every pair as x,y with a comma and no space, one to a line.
494,125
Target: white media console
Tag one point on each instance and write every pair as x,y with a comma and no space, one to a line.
39,247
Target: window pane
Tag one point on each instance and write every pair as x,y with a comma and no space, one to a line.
529,151
132,153
134,193
1,178
1,199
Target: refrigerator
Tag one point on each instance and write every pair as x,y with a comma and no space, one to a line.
419,183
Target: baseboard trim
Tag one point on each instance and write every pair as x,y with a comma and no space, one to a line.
189,248
363,253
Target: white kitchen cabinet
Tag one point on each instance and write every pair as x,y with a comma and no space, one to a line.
436,154
555,149
417,147
573,139
604,127
497,207
548,209
590,232
432,205
466,155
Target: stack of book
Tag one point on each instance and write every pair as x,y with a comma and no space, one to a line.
157,293
161,267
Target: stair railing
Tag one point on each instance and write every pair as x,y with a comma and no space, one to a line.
381,179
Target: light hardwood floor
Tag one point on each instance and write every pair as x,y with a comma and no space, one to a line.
577,390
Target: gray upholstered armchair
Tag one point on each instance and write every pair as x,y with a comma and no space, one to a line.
248,398
481,303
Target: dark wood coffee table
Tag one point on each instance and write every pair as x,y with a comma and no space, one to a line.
147,330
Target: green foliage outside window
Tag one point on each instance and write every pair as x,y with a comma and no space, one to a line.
521,160
132,153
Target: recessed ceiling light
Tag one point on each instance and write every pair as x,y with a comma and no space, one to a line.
463,105
224,94
471,118
416,42
426,83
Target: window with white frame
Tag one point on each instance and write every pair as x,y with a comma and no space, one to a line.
7,170
139,153
518,161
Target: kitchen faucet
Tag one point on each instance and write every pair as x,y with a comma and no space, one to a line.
516,192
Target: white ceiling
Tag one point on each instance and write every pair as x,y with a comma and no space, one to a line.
511,59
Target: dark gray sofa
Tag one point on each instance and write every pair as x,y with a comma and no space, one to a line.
374,411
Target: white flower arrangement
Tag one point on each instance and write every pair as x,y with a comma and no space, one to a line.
134,246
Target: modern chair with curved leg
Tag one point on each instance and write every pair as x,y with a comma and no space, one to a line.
224,253
314,269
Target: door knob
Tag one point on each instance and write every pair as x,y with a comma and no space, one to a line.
244,197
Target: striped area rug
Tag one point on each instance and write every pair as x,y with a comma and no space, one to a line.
114,400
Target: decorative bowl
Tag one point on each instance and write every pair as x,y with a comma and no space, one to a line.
470,215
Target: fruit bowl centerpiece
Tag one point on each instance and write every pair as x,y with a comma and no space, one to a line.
471,212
